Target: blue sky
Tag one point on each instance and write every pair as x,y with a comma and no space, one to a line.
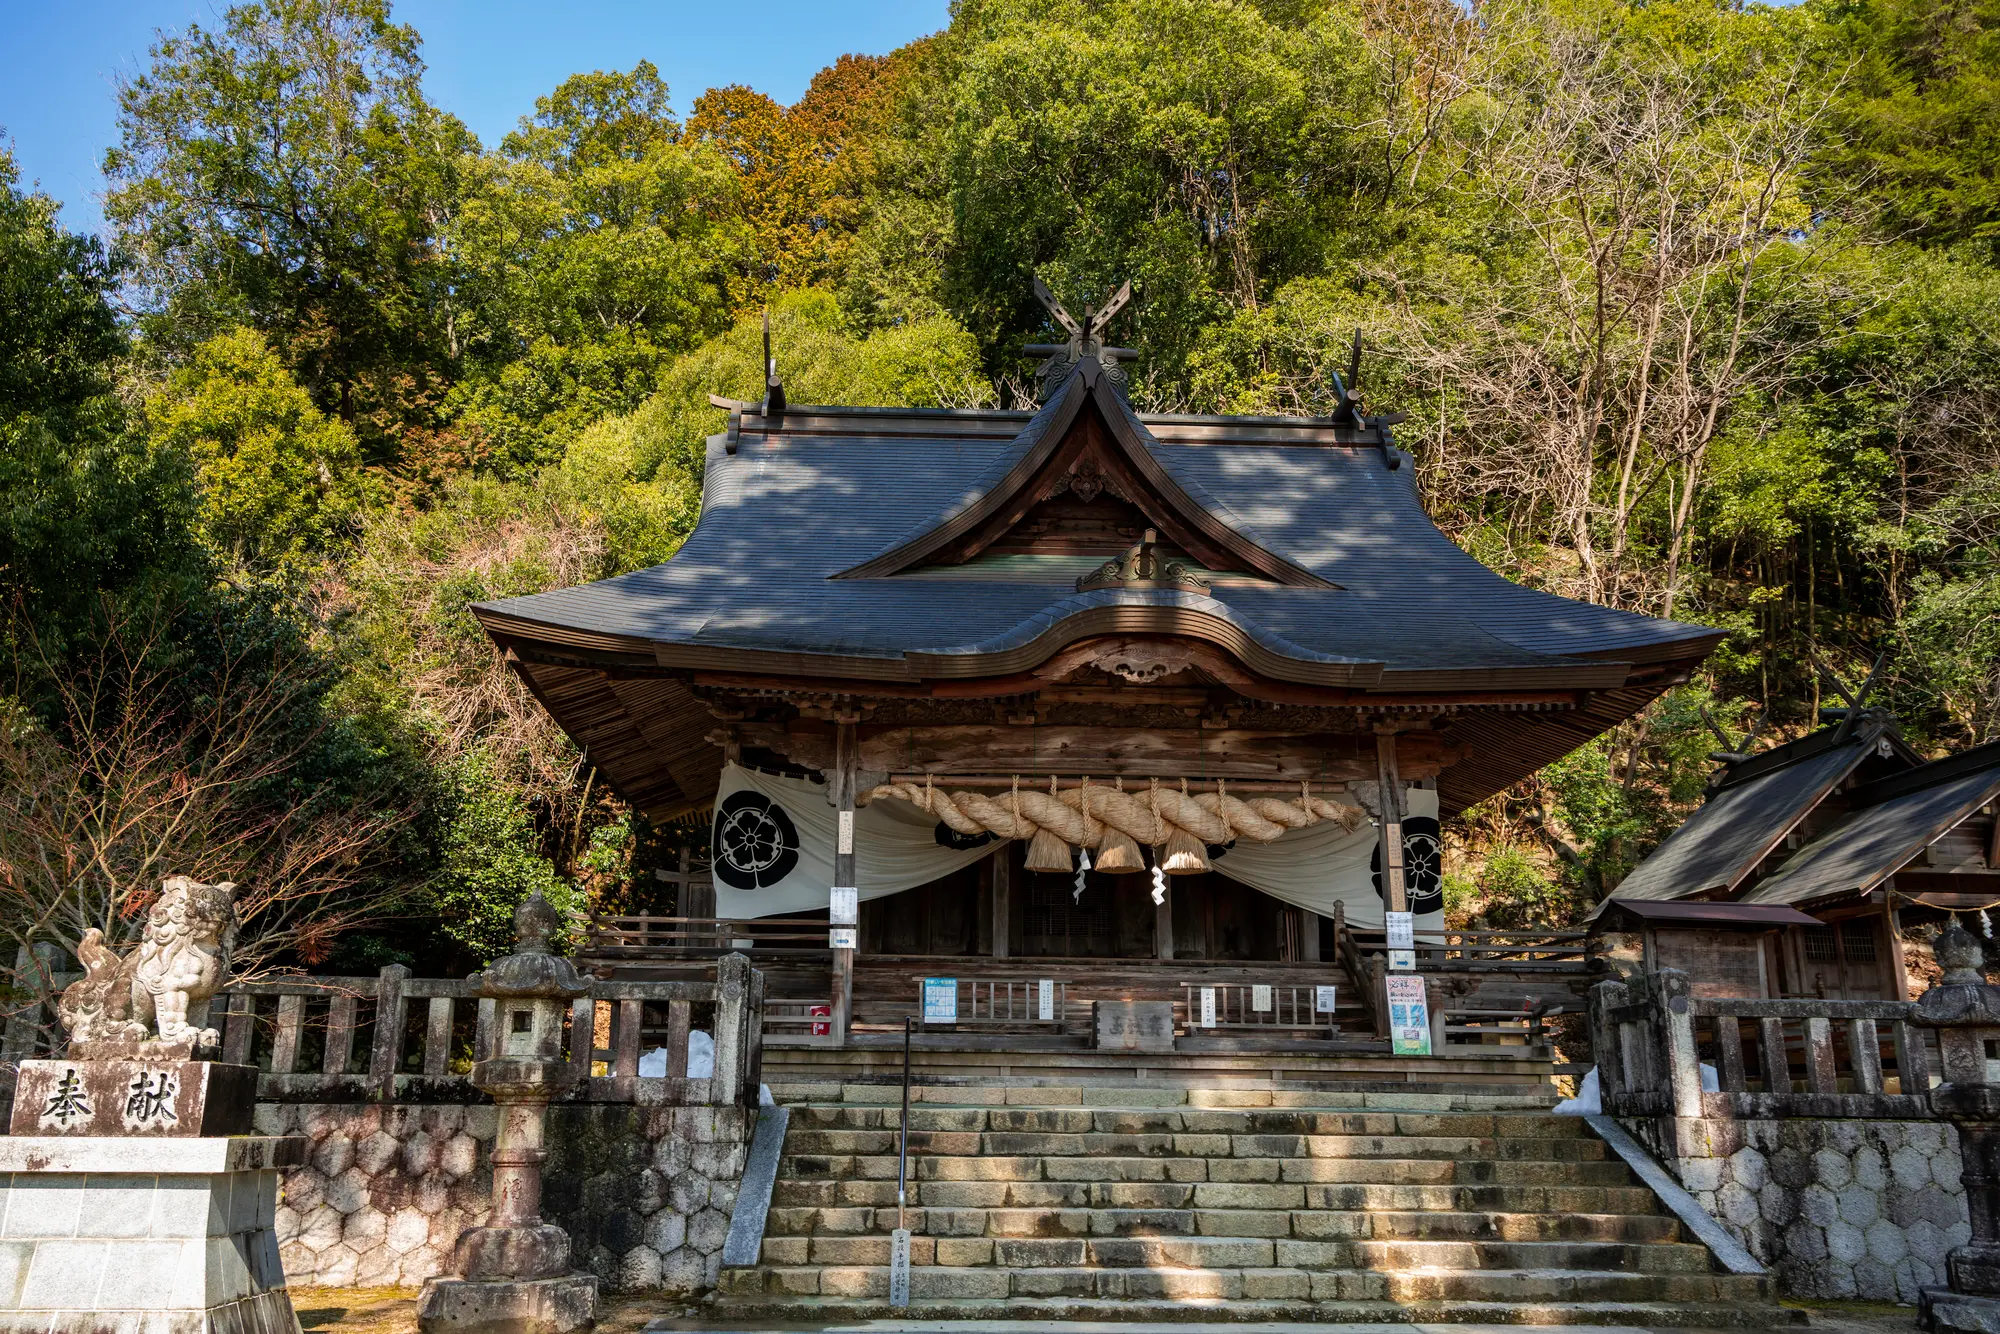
488,60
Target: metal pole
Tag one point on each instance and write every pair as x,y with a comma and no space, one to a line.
899,1240
903,1147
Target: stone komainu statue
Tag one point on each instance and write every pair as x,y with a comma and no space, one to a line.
164,985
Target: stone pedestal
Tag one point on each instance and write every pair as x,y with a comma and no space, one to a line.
134,1097
1946,1312
516,1306
142,1235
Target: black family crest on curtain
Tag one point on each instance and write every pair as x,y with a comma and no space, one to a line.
947,837
1423,865
754,841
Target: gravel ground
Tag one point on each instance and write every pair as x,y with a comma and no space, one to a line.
394,1311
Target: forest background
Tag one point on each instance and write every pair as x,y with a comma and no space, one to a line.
1694,308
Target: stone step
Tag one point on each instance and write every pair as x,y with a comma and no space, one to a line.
1056,1091
834,1192
1188,1144
1209,1252
1017,1315
1273,1283
1245,1172
1180,1120
1312,1224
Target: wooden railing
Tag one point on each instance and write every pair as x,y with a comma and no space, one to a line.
1489,951
642,937
1009,1001
1468,1028
1771,1058
394,1036
1256,1007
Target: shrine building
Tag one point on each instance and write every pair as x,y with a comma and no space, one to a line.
1117,701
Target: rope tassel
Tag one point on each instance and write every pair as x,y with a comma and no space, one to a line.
1118,823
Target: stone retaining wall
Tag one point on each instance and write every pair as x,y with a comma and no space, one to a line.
645,1192
1838,1208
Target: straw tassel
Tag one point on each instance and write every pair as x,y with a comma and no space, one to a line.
1184,853
1117,852
1047,851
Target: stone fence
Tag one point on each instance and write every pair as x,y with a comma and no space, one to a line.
373,1071
1805,1127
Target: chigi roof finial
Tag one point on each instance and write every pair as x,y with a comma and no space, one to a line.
1086,340
774,388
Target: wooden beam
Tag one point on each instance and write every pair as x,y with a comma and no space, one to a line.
843,776
1136,752
1392,821
1898,968
1003,907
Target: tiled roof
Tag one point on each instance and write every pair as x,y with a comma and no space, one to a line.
806,497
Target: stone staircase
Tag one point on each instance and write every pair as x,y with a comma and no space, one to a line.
1154,1204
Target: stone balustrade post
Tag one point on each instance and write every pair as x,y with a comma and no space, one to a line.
732,1005
1671,994
1965,1009
1607,1044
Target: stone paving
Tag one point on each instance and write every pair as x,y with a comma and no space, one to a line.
394,1311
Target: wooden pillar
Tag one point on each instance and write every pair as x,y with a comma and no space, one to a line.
1003,896
1308,935
1892,922
1392,821
846,754
1163,924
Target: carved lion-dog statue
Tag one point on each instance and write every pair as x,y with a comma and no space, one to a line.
163,986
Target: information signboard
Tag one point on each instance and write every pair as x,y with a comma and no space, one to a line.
843,906
1402,933
1208,1007
1409,1015
840,938
940,1000
1045,998
1322,1000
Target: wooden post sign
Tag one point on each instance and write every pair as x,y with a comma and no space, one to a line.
1402,934
899,1268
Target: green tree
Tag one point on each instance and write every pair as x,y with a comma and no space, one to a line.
1916,148
58,334
284,171
1208,151
610,243
86,508
280,481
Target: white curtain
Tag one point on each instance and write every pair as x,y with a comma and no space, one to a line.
774,839
1323,864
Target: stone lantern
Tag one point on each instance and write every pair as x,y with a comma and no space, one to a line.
513,1275
1965,1009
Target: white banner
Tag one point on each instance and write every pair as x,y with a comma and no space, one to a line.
773,840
